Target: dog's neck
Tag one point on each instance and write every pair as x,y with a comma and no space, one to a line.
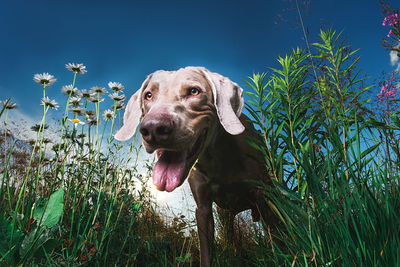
213,157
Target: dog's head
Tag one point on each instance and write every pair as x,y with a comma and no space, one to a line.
178,109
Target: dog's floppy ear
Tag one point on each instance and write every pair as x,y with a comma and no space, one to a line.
228,100
132,115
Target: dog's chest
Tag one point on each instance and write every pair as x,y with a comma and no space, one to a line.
235,196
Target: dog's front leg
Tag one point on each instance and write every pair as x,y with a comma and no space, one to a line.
204,216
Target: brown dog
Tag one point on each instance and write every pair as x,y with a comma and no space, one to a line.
193,119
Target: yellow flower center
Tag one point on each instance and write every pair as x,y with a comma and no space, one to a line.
76,120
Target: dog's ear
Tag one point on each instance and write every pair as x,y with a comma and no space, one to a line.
132,115
228,100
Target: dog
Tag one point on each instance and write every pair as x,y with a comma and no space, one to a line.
192,118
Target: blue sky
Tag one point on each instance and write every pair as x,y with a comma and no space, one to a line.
126,40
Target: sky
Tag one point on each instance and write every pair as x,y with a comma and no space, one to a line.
125,40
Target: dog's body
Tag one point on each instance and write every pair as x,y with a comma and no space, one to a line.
193,119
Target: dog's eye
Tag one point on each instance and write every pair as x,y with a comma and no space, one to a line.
148,96
194,91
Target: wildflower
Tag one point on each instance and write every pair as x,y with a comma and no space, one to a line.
118,106
116,86
47,102
78,111
91,113
91,120
76,68
392,19
390,33
108,115
8,105
68,90
95,99
117,97
86,94
75,101
386,92
36,127
76,121
99,90
44,79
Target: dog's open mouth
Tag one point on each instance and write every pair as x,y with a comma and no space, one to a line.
172,167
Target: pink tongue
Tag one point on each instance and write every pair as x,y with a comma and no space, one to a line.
168,171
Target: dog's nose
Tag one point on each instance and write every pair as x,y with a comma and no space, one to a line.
157,130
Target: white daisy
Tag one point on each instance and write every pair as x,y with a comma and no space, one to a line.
117,97
75,101
98,90
91,113
68,90
108,115
47,102
95,99
77,111
116,86
91,120
76,121
85,93
8,105
77,68
119,105
44,79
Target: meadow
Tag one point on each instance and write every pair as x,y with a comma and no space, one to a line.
329,139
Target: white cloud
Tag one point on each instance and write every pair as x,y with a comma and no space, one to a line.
395,60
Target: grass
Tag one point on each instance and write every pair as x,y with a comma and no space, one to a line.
76,202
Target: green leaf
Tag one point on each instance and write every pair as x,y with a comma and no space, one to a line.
395,119
5,236
52,213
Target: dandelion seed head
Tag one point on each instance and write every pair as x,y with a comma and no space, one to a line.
44,79
76,68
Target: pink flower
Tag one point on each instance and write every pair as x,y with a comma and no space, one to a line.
392,19
386,92
390,33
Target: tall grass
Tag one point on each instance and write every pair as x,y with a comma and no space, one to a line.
338,201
